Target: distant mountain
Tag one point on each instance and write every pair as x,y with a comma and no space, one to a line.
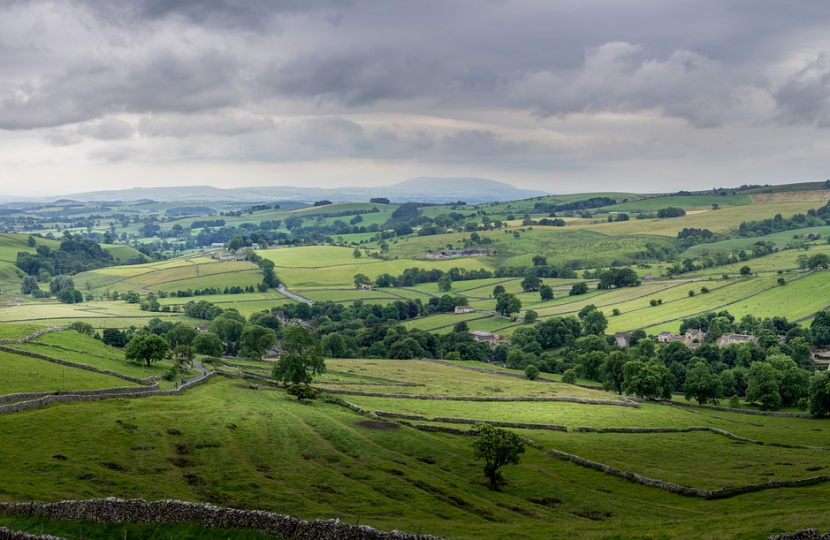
421,189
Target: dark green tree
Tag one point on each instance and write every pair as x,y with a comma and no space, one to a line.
146,348
508,305
546,292
302,358
208,343
702,385
255,341
497,447
820,394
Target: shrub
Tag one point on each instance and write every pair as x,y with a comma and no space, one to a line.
569,377
531,372
735,402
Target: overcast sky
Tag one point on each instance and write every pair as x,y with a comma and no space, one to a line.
563,96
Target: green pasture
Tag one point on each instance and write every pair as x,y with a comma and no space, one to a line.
314,257
343,275
18,331
225,444
443,380
688,202
719,221
640,314
443,320
782,238
74,347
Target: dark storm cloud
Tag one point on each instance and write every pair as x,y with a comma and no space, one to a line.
246,15
99,87
805,97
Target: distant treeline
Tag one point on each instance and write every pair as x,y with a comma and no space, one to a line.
593,202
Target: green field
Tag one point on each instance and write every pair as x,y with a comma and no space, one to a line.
241,441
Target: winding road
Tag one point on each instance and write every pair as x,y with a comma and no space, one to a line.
289,294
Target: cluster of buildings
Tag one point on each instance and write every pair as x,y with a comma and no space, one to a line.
693,338
455,253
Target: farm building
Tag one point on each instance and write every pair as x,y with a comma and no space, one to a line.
668,337
622,339
464,309
486,337
455,253
736,338
364,287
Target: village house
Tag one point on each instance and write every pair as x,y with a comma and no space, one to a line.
623,339
202,329
464,309
736,339
668,337
648,277
455,253
486,337
279,315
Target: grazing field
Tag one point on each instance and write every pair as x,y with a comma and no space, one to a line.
74,347
718,221
688,202
385,442
228,445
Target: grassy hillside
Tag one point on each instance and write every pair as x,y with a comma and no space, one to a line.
229,445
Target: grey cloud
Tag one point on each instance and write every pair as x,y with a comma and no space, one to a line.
182,126
804,98
88,90
358,78
108,129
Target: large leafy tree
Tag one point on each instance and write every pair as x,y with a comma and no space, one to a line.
302,359
147,348
497,447
702,385
648,379
763,386
820,394
208,343
256,341
508,305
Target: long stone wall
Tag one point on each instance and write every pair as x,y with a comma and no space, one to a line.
806,534
8,534
41,402
14,398
519,425
113,510
484,398
67,363
30,337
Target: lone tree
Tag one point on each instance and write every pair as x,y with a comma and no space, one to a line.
302,359
146,348
508,305
497,447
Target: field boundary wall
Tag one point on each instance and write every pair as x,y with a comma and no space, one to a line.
113,510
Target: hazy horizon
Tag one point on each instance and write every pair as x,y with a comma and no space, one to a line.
559,97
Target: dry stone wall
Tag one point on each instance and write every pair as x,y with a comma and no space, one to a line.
33,336
519,425
8,534
484,398
806,534
213,517
15,398
76,365
41,402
